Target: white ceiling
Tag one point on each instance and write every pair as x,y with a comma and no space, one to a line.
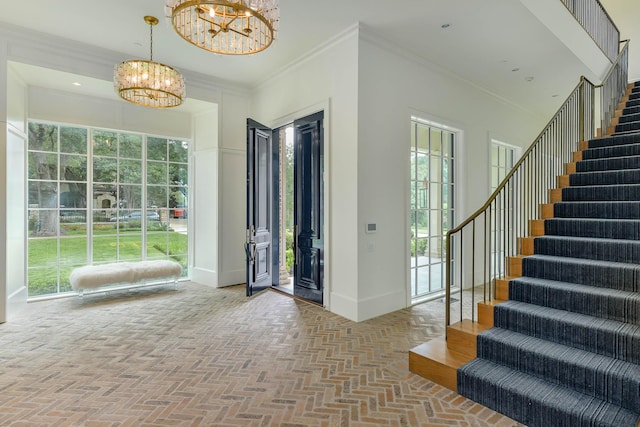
485,41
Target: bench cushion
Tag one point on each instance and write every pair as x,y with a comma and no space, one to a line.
95,276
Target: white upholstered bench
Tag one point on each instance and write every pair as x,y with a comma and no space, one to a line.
123,273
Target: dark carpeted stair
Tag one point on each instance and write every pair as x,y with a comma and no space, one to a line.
597,209
607,274
627,229
535,401
565,348
581,370
620,305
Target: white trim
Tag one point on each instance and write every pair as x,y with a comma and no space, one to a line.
57,53
324,106
310,54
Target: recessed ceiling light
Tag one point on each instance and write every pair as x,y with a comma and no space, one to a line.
445,25
529,78
76,84
515,69
555,95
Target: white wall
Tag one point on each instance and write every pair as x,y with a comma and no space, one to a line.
392,87
373,92
232,188
328,77
66,107
4,134
16,194
203,184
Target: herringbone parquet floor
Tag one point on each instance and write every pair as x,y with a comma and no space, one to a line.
212,357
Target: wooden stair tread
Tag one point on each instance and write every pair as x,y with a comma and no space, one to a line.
435,361
437,349
492,302
467,326
486,311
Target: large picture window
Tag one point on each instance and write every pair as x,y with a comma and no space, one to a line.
99,196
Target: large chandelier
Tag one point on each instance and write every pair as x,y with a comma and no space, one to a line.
149,83
234,27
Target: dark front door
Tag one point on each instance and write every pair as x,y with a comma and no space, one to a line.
258,244
308,208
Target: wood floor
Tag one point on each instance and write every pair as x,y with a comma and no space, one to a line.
212,357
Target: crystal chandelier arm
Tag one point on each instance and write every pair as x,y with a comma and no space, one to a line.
223,26
236,27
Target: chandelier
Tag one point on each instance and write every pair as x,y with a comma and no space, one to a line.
234,27
149,83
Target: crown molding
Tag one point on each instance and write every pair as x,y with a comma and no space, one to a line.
349,32
47,51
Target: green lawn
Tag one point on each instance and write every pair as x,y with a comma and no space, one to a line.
43,253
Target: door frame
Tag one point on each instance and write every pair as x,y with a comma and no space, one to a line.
290,118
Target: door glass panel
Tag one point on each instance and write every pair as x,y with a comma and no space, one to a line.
263,186
432,203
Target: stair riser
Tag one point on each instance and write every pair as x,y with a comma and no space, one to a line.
609,152
592,249
619,210
630,110
623,229
627,127
589,273
616,163
629,118
616,305
587,336
601,193
605,178
532,403
545,362
632,103
612,141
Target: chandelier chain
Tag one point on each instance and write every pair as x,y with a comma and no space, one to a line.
151,42
149,83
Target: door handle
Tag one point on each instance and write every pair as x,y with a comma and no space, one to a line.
250,245
295,244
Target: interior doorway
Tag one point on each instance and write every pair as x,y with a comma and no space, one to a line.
285,211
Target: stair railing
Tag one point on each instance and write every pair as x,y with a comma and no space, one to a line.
613,84
478,250
597,23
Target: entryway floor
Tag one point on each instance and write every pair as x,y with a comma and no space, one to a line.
213,357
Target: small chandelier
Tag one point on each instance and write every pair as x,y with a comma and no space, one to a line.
149,83
234,27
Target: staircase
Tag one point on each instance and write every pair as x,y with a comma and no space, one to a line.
565,348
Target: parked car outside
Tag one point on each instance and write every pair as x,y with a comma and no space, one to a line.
137,215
